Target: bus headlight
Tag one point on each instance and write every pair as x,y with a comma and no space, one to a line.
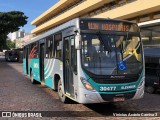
86,84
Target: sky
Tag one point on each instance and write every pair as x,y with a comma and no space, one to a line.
31,8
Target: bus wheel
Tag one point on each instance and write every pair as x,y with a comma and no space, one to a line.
61,95
31,78
150,89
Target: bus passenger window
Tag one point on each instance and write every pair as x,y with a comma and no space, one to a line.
37,50
33,51
49,47
57,49
58,46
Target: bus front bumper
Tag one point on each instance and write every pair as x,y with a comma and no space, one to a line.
86,96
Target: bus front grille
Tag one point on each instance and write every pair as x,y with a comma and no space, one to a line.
114,81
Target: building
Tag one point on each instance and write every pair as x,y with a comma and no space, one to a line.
15,35
20,42
144,12
26,38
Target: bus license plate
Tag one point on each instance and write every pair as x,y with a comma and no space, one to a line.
117,99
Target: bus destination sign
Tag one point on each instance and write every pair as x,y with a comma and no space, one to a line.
108,25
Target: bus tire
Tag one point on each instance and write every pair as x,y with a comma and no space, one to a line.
150,89
31,78
61,95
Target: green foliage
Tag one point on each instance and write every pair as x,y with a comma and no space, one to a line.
10,44
10,22
3,38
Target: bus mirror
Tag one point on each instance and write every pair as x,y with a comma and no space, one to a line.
77,42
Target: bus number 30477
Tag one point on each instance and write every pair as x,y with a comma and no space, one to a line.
107,88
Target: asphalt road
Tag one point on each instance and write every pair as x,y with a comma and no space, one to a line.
18,94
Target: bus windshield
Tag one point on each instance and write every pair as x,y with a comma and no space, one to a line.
104,54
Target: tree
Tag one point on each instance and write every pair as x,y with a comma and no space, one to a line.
10,22
10,44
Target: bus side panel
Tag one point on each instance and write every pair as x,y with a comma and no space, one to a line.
24,65
53,66
34,65
48,69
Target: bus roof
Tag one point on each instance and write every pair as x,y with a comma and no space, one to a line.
71,23
68,24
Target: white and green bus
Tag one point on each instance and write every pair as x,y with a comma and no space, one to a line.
89,60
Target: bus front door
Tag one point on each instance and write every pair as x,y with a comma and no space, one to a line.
68,73
41,65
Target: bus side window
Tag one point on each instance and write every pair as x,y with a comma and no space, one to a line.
58,46
57,49
49,47
37,50
33,50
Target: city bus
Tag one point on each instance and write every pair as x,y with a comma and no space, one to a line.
88,60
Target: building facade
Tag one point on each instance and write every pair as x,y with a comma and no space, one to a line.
26,38
144,12
15,35
20,42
